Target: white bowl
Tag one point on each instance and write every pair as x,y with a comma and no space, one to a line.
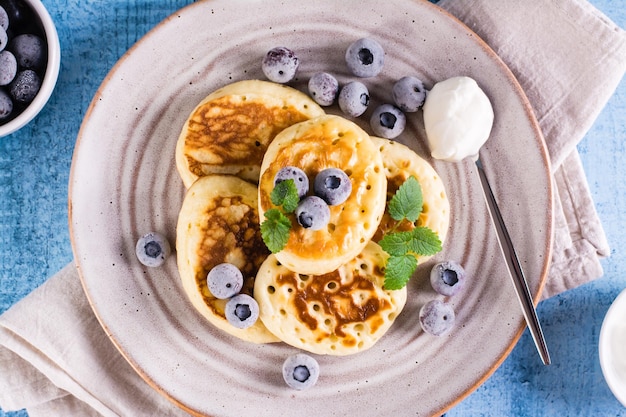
50,77
612,347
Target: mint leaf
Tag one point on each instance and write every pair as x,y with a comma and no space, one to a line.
285,194
397,244
275,230
407,202
398,271
424,241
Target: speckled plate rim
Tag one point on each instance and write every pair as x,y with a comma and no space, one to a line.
547,249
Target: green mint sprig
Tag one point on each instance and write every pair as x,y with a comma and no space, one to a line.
276,226
404,247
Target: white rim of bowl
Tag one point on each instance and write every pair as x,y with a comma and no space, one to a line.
50,77
616,383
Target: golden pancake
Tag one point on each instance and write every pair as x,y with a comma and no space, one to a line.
339,313
314,145
229,131
219,222
400,163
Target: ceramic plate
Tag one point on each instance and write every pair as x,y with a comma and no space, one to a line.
124,184
611,347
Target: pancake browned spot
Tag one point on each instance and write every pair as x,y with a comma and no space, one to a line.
219,222
341,312
314,145
229,131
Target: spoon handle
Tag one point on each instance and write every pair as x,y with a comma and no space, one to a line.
514,267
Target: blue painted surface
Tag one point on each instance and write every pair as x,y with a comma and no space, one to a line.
34,237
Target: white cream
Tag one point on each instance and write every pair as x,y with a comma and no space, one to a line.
458,118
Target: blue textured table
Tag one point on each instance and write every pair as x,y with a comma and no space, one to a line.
34,237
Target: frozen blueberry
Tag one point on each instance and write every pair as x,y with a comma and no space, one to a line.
300,371
19,13
242,311
4,19
365,57
224,280
447,278
387,121
8,67
297,175
436,317
25,86
152,249
323,88
29,50
313,213
6,105
4,38
333,186
354,98
280,64
409,94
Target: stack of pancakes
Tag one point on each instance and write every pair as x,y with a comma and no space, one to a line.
324,291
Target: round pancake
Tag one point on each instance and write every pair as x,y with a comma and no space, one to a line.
400,163
228,132
219,222
339,313
313,145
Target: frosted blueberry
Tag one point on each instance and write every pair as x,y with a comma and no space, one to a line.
224,280
30,51
313,213
387,121
323,88
447,278
409,94
300,371
436,317
332,185
8,67
354,98
6,105
280,64
4,19
4,38
152,249
365,57
297,175
25,86
242,311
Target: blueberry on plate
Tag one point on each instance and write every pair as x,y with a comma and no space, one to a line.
297,175
280,64
224,280
447,278
313,213
333,186
354,98
409,94
300,371
242,311
365,57
152,249
436,317
387,121
323,88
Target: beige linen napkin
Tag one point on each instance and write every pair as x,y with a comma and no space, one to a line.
56,360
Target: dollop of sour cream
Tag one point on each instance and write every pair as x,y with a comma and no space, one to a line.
458,118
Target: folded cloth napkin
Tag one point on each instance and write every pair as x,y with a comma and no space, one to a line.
55,358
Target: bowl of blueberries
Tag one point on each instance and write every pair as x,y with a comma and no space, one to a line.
30,56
